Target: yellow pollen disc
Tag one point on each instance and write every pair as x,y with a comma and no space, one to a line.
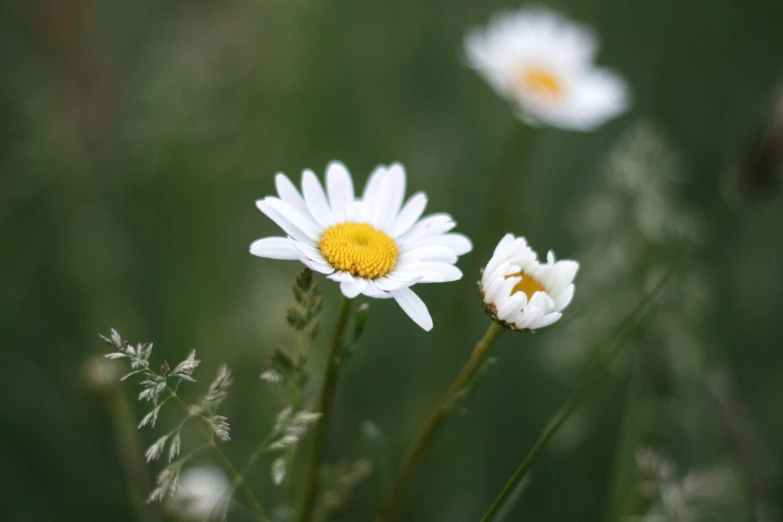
541,83
359,249
528,285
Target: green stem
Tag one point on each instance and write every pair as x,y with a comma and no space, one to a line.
622,486
295,394
437,417
621,335
129,449
307,501
236,478
505,198
239,481
240,478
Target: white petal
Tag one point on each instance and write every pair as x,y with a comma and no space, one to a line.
322,268
508,290
371,196
567,269
275,248
543,301
311,253
388,284
511,305
341,277
393,192
503,245
430,253
529,317
545,320
412,272
288,193
339,185
516,253
564,299
315,199
303,222
411,212
520,252
501,271
373,291
494,263
598,96
404,274
283,222
433,225
447,270
429,272
351,290
493,290
458,243
412,305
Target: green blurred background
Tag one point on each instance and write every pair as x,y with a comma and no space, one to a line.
136,136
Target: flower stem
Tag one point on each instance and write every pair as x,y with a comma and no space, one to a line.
240,477
621,335
437,417
505,199
129,450
295,397
236,478
307,501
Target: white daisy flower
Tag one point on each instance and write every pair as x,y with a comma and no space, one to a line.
522,293
544,65
374,245
202,491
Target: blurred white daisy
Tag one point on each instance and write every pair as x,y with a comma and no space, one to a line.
544,65
202,492
374,245
522,293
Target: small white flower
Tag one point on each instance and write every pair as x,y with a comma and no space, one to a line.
374,245
521,292
544,65
202,491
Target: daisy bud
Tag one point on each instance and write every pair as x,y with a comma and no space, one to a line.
520,292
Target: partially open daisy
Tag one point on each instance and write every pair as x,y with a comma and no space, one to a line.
544,65
520,292
374,246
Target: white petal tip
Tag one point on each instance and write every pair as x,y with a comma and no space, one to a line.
414,307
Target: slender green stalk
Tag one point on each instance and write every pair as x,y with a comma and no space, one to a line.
262,448
436,418
239,481
129,449
621,335
295,394
307,501
236,478
622,487
506,197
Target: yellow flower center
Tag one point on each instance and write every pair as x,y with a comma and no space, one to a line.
360,249
528,285
539,82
